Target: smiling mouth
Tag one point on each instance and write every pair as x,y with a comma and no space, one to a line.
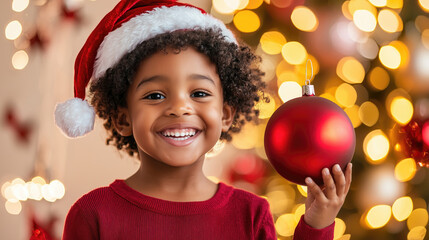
179,134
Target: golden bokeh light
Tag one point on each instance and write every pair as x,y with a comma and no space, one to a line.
378,216
266,109
13,208
288,76
304,19
272,42
20,60
355,5
395,4
390,57
302,189
378,3
379,78
13,30
226,6
418,217
390,21
289,90
279,201
402,110
364,20
282,67
38,180
281,3
350,70
247,137
346,95
57,189
224,17
345,10
402,208
340,228
417,233
286,224
353,113
298,211
368,113
254,4
19,5
425,38
368,49
247,21
376,146
424,4
405,170
294,53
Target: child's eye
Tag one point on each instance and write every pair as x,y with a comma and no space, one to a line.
199,94
154,96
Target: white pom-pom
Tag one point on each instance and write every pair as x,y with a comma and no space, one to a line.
75,117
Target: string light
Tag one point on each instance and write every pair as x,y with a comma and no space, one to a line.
13,30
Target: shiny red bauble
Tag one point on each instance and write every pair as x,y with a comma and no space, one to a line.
307,134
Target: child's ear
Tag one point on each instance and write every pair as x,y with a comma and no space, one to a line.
122,122
227,117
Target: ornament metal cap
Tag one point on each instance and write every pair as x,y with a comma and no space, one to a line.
308,89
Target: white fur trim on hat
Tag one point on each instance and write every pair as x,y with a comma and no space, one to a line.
75,117
146,26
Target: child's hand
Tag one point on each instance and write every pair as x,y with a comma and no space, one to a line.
323,205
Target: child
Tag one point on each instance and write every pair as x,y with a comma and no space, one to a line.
170,81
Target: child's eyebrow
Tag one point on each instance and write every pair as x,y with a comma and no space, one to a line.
200,76
153,78
194,76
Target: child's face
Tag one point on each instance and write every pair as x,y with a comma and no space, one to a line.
175,108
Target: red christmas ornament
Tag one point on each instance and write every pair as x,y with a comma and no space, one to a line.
307,134
413,140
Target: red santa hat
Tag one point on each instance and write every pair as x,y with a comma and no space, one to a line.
118,33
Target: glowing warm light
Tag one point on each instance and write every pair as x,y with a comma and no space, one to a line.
368,113
340,228
425,133
19,5
378,3
288,76
266,109
368,49
272,42
376,146
34,191
350,70
425,38
47,194
289,90
281,3
13,208
390,21
226,6
247,21
286,224
346,95
353,113
395,4
57,189
418,217
364,20
424,4
213,179
20,60
294,53
378,216
405,170
20,192
379,78
402,110
302,190
279,201
13,30
390,57
254,4
417,233
355,5
345,10
304,19
402,208
246,138
224,17
38,180
298,211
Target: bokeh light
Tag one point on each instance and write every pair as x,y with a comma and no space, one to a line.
247,21
379,78
368,49
346,95
289,90
402,110
340,228
417,233
272,42
402,208
298,211
390,57
266,109
294,53
304,19
390,21
246,138
353,113
13,30
254,4
350,70
286,224
368,113
418,217
19,5
281,3
376,146
405,170
424,4
378,3
378,216
226,6
395,4
302,189
364,20
13,208
20,60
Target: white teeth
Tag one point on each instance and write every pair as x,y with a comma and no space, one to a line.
179,134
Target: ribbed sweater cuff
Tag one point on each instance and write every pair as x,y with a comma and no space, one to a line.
306,232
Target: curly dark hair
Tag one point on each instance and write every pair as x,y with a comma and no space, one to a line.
237,66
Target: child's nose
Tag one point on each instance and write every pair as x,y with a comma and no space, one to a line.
179,106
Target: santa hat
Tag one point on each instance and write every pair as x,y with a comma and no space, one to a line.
118,33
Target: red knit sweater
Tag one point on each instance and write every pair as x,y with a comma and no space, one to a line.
120,212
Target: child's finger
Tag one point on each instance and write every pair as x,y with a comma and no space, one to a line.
315,190
348,174
340,180
329,183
